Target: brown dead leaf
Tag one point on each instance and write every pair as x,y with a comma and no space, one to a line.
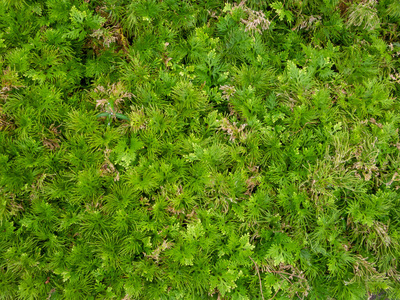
51,143
101,102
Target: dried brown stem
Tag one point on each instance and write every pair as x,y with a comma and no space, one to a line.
259,277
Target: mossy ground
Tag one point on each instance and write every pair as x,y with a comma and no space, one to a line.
199,149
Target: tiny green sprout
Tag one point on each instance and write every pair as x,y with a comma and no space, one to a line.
110,114
112,97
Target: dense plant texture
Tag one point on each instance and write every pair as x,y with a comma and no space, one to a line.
168,149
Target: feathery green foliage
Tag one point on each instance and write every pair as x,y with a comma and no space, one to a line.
199,149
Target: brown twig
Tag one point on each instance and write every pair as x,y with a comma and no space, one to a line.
285,273
274,294
259,277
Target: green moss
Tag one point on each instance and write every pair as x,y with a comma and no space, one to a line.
199,149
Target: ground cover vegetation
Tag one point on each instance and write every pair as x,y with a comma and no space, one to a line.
199,149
